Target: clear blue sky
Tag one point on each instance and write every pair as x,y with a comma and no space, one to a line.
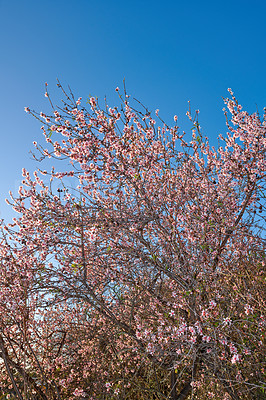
169,52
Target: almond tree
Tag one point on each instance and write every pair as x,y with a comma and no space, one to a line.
137,270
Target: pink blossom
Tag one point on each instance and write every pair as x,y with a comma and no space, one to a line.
192,330
150,348
79,392
227,321
232,348
235,358
141,207
248,309
212,304
93,101
205,314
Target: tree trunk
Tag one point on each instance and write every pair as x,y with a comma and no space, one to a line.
173,385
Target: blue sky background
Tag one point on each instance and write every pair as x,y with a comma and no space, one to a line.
169,52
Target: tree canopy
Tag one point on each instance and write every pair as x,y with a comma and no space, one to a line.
137,270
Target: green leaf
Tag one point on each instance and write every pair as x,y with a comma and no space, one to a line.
211,223
198,139
76,267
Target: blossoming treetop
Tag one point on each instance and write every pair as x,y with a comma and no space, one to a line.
136,271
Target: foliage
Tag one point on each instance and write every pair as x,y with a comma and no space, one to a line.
138,270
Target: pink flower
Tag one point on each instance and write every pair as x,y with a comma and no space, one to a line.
175,118
27,109
235,358
150,348
232,348
117,89
192,330
92,101
227,321
212,304
138,335
79,392
248,309
204,314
